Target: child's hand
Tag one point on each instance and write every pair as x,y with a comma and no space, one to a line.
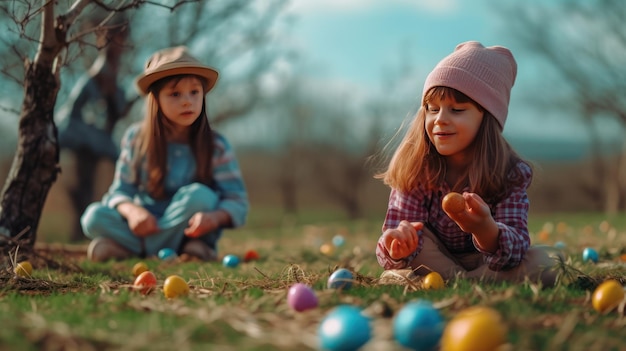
402,241
473,215
204,222
141,222
476,219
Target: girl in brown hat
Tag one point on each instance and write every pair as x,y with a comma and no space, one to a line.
177,182
455,144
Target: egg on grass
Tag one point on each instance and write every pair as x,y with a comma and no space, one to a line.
145,282
418,325
476,328
23,269
301,297
175,286
344,328
340,279
607,296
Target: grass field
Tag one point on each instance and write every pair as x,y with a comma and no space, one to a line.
70,304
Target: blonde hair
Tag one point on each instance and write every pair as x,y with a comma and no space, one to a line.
492,174
151,143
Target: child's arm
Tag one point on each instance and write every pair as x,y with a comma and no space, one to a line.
206,222
505,247
402,208
140,221
123,188
402,241
233,205
475,217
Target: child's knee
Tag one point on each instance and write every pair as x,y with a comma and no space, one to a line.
543,262
198,197
91,218
542,256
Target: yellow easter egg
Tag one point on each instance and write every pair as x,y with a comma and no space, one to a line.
607,296
139,268
474,329
175,286
433,280
23,269
327,249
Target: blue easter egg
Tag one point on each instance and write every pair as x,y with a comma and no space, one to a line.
418,326
559,245
230,261
167,254
340,279
338,240
590,254
344,328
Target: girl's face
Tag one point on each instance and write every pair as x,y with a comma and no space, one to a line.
452,126
181,101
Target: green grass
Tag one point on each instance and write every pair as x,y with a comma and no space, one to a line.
244,308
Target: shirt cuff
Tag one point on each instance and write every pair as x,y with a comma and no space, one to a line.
115,200
237,211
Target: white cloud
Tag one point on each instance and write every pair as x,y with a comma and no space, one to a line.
308,6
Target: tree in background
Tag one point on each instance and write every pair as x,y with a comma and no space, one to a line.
45,41
585,42
322,143
87,120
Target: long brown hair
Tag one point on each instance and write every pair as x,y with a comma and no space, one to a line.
151,142
492,173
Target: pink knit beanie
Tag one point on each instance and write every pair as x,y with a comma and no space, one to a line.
485,74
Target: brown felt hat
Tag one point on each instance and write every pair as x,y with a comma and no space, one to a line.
170,62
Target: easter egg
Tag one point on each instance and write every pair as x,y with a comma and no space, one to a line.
175,286
23,269
338,240
344,328
139,268
418,326
560,245
543,235
301,297
327,249
453,203
251,255
230,261
474,329
433,280
145,282
340,279
167,254
590,254
607,296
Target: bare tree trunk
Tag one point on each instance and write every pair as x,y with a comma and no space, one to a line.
35,165
36,161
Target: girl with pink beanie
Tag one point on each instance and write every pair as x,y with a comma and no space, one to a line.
455,144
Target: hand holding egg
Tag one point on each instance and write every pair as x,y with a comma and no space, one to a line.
453,203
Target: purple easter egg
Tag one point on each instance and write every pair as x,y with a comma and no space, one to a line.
301,297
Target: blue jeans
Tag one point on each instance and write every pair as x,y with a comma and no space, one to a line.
100,221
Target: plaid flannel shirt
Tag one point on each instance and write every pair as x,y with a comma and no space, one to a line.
511,216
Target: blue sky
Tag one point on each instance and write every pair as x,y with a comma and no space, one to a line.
351,42
354,40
